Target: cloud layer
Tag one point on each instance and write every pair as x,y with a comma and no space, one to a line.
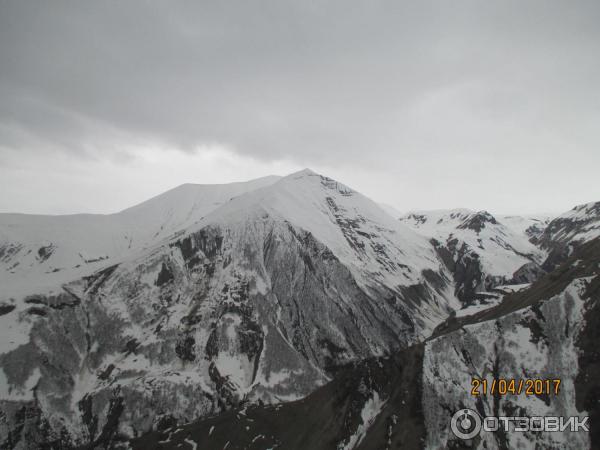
481,104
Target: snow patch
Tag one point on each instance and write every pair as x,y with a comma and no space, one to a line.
371,409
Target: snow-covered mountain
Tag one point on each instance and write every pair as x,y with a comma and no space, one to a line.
259,299
38,252
480,251
569,230
581,224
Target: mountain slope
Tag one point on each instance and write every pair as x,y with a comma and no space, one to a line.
543,332
531,226
406,400
38,252
392,211
480,251
375,404
569,230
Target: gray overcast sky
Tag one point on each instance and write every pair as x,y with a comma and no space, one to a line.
484,104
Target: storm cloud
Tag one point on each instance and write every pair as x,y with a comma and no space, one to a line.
420,104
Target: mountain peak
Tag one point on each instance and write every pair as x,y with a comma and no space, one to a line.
477,221
306,172
316,181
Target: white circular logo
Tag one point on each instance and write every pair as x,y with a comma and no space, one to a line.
465,424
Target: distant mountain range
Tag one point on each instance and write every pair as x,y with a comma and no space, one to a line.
290,312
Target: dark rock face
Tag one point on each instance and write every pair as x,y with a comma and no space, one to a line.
418,218
465,267
94,282
587,383
476,222
185,348
60,301
207,242
6,308
45,252
535,231
7,251
165,276
528,273
350,227
557,255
